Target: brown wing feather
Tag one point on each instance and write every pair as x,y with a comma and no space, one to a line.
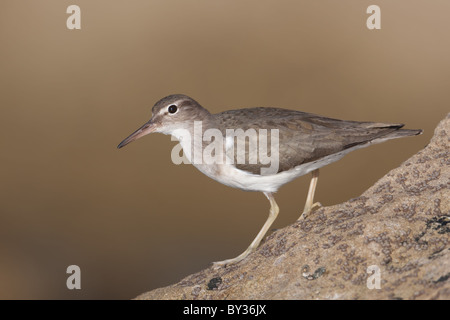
304,137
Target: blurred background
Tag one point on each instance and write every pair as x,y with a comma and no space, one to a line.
131,219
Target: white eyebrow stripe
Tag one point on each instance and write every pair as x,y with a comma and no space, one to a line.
162,111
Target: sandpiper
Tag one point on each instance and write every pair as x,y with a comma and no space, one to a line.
304,143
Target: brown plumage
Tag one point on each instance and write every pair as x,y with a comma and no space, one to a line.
305,137
307,142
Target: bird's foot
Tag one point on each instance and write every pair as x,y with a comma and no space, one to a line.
239,258
309,210
224,263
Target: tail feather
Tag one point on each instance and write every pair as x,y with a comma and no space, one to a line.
396,133
406,132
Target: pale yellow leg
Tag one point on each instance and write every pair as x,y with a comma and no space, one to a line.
309,205
272,216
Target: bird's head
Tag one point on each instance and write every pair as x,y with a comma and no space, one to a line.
173,112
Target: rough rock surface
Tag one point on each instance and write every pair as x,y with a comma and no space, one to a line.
401,225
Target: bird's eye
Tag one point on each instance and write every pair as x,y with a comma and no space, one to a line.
172,108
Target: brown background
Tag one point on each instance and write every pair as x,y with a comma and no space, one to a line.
130,218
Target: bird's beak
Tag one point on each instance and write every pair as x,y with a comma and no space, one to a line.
147,128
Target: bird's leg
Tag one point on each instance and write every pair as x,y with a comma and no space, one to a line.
309,205
272,216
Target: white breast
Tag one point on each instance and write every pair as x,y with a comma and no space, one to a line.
231,176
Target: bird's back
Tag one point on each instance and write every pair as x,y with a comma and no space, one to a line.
305,137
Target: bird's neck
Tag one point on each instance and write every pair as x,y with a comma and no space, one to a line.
194,136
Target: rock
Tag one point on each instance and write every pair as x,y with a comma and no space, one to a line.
398,230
